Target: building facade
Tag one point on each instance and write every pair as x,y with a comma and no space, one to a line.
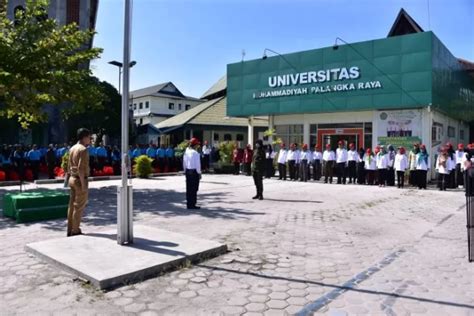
398,90
155,104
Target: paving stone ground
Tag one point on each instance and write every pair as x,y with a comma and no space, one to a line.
307,248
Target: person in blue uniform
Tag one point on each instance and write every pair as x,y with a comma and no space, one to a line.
101,153
161,156
51,160
34,157
192,171
169,153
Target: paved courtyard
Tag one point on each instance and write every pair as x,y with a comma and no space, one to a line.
307,248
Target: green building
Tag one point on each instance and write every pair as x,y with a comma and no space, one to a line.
397,90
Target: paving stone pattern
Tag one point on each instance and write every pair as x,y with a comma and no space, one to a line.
307,248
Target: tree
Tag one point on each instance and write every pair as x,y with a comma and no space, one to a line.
44,63
101,120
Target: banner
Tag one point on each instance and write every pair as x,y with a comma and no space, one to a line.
401,123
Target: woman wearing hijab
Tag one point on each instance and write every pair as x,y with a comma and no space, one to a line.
390,170
451,176
442,166
360,167
422,166
401,165
412,177
370,166
382,164
269,155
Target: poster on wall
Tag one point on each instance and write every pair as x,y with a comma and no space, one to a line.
399,128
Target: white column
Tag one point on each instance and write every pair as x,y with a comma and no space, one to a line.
306,133
271,125
250,131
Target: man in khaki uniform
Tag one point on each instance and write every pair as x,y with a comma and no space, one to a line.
78,171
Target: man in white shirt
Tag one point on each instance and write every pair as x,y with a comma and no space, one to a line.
317,158
458,160
192,170
305,158
341,161
352,160
292,158
206,154
329,158
282,156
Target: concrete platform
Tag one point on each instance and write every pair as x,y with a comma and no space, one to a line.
98,258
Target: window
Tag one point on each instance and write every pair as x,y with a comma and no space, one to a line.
451,131
227,137
187,107
461,134
313,135
290,133
141,121
240,137
140,106
179,106
171,106
147,105
216,137
134,106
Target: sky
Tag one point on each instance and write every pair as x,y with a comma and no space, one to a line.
190,42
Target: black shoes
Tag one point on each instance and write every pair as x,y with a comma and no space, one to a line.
255,197
193,208
260,197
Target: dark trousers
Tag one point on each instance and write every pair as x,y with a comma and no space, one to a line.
258,180
328,169
390,176
35,169
316,170
236,168
282,171
269,168
400,179
451,180
412,179
291,167
248,168
304,170
360,173
192,187
442,181
297,171
459,175
161,164
51,170
382,176
205,162
101,162
351,170
420,176
370,177
341,172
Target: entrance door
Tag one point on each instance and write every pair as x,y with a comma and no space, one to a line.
347,135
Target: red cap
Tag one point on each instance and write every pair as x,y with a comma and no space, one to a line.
369,151
282,145
402,150
205,142
460,146
351,145
194,141
317,146
340,142
328,146
305,146
423,146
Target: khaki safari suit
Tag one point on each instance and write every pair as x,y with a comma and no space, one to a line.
78,167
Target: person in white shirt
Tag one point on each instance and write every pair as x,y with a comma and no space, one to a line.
443,167
390,169
458,160
282,157
329,159
305,158
341,162
206,154
361,176
317,157
401,165
192,170
269,157
370,166
297,162
352,160
382,163
422,166
291,159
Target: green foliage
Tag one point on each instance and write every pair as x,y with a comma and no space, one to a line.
44,63
65,161
277,141
181,148
225,152
269,132
143,167
103,120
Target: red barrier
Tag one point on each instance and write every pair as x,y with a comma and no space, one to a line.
108,171
3,176
13,176
28,175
